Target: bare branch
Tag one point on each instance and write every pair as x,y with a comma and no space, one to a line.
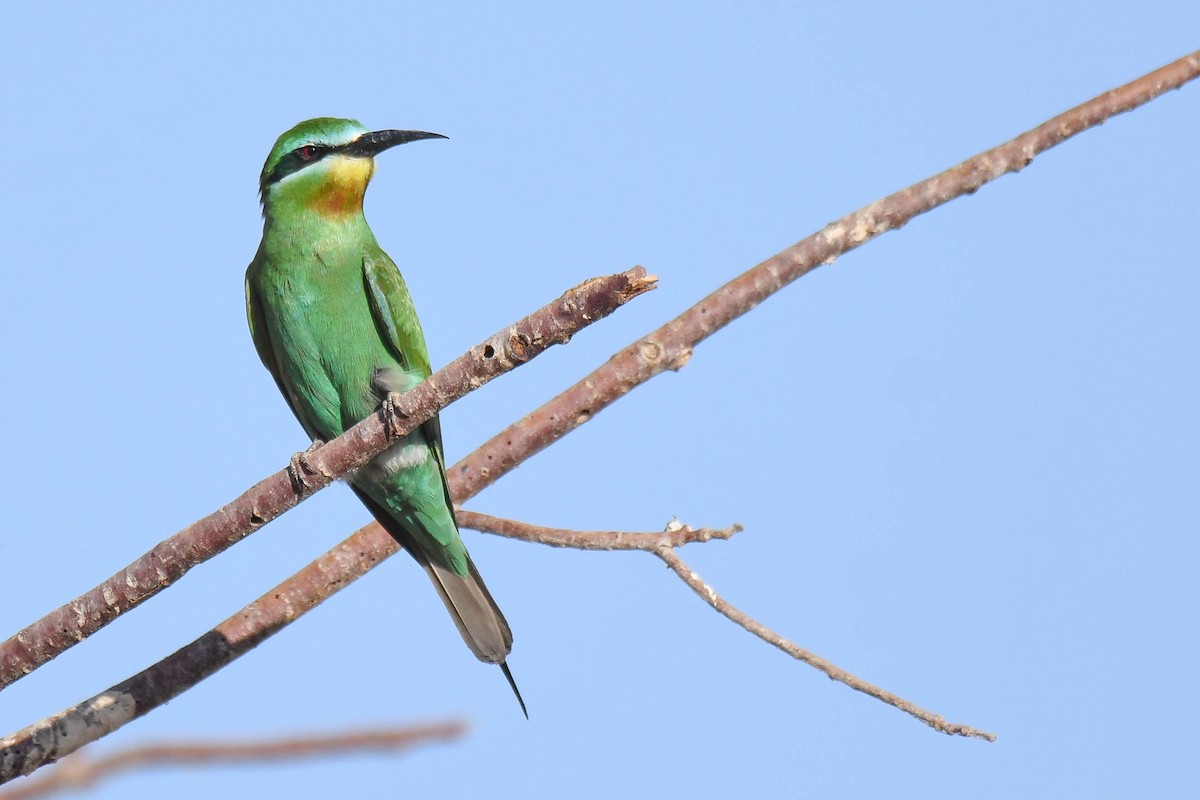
675,535
670,346
80,772
62,734
832,671
553,324
663,545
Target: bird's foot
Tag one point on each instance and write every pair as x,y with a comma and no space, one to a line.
390,406
300,468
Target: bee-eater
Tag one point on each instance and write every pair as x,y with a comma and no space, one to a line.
333,321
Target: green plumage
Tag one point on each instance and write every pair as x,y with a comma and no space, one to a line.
333,321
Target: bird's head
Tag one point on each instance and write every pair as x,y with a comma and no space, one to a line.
324,165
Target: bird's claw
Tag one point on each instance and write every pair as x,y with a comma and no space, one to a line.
392,414
299,468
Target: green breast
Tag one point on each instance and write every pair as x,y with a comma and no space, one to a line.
326,344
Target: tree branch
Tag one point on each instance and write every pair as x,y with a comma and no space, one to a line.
670,346
80,772
675,534
553,324
65,732
832,671
663,545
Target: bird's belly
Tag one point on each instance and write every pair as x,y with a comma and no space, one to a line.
409,453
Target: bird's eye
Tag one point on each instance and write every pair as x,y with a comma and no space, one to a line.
307,153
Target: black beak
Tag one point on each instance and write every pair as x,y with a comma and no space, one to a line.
374,143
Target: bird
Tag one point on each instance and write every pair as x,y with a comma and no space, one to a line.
333,322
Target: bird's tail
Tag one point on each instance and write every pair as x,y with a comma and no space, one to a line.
475,613
478,619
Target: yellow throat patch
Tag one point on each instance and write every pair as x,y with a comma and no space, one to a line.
345,182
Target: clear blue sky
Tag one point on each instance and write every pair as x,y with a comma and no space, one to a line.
965,455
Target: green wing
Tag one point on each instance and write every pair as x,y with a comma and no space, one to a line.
262,342
395,316
396,320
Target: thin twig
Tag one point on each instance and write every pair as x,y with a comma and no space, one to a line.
663,545
553,324
832,671
80,772
675,534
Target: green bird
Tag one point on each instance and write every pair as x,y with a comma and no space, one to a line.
333,322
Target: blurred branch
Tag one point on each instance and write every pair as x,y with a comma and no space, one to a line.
314,469
668,347
80,772
832,671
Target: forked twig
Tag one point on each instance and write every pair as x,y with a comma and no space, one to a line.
663,545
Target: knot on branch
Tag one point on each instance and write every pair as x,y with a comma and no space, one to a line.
517,349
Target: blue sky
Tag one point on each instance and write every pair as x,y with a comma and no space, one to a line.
965,455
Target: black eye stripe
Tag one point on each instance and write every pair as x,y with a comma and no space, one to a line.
296,160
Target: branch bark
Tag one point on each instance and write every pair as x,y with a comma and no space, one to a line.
674,535
553,324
